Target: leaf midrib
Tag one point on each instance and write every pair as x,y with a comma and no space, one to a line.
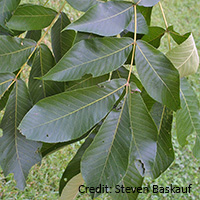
56,119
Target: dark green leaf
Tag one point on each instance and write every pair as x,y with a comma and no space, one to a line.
144,133
86,81
73,167
61,41
83,36
146,12
7,7
34,35
158,75
42,63
154,36
165,155
98,56
178,38
132,179
142,27
31,17
17,154
55,119
188,117
106,159
106,19
146,3
12,50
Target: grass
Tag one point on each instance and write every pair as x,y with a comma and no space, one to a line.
43,179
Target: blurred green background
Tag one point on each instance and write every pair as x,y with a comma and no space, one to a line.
43,180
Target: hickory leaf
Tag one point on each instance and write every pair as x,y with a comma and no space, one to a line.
97,56
17,154
57,122
158,75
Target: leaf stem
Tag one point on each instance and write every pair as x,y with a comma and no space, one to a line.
36,46
166,25
134,44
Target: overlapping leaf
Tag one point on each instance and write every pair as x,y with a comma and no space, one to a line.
106,19
42,63
13,49
158,75
7,7
55,119
146,12
61,41
132,180
73,167
97,57
142,27
17,154
165,155
31,17
144,133
34,35
185,57
154,36
188,117
106,159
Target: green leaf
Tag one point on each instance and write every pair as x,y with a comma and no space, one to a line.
83,36
31,17
146,3
146,12
106,19
34,35
42,63
132,179
96,57
17,154
158,75
176,36
188,117
73,167
106,159
86,81
55,119
72,188
144,132
4,98
7,7
154,36
13,49
142,27
165,155
5,80
84,5
61,41
185,57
